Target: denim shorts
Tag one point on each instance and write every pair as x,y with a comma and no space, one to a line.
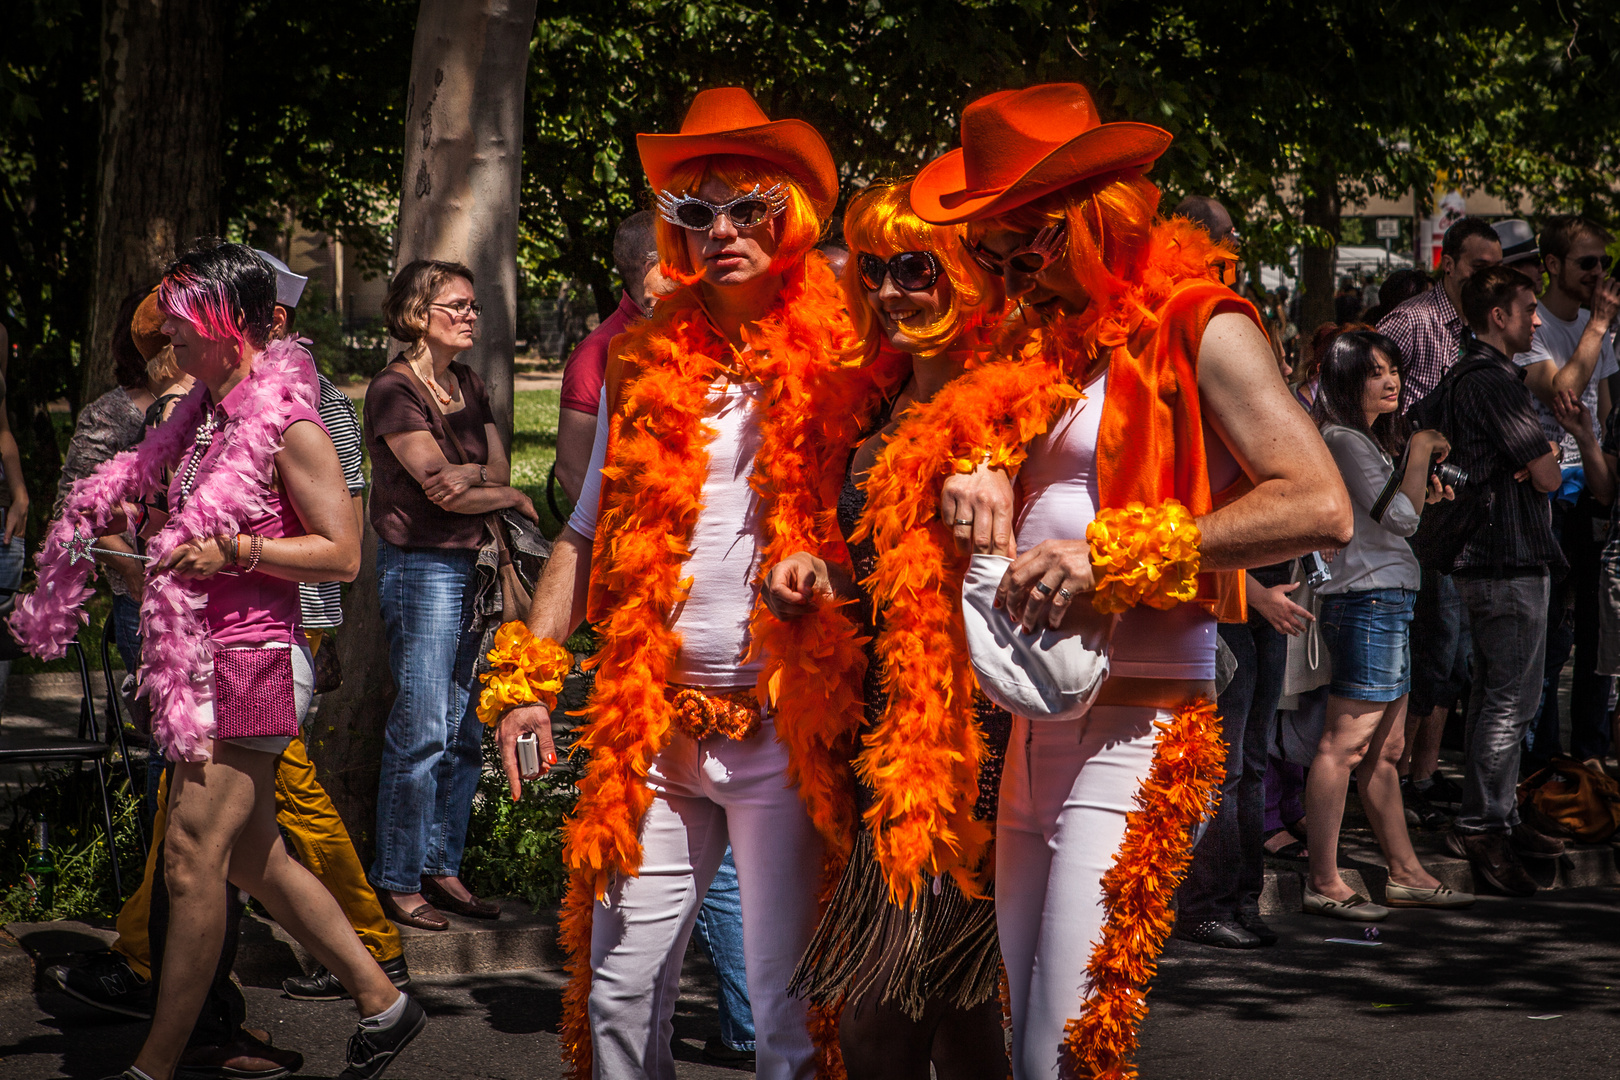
1368,637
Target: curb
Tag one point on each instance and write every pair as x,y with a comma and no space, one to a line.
1362,867
516,941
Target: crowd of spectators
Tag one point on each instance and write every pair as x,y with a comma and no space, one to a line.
1452,615
1472,418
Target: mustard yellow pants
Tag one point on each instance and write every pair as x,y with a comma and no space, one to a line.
310,821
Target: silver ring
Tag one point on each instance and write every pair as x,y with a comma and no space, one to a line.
1043,588
1065,593
959,521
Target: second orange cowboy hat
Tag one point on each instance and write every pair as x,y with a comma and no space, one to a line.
727,120
1018,145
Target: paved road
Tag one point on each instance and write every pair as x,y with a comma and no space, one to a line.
1445,997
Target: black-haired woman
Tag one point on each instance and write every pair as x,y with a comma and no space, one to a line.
1366,621
256,503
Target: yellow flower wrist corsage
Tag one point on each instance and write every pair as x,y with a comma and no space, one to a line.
1144,555
524,670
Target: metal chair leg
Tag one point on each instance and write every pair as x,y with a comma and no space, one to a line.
115,722
107,817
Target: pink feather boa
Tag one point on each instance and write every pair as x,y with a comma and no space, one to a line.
229,491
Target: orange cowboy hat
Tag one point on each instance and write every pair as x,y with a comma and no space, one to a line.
1018,145
147,327
727,120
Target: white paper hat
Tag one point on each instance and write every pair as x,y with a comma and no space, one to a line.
289,286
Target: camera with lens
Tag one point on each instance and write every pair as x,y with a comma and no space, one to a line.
1449,475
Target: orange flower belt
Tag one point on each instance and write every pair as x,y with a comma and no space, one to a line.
733,714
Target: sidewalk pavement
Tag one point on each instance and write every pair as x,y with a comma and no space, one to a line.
1508,989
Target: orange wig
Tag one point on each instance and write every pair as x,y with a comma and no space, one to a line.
881,222
1109,220
799,226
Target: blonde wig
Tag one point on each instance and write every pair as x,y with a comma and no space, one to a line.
880,222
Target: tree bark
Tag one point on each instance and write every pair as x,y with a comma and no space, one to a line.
458,201
463,163
162,65
1321,209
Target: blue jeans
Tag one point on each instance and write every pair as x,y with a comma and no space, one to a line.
12,556
1509,617
719,931
432,747
126,626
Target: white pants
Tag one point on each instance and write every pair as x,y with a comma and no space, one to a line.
1065,791
704,794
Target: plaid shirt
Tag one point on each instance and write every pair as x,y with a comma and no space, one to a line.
1430,335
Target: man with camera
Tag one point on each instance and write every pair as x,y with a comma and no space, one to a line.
1504,571
1573,352
1431,333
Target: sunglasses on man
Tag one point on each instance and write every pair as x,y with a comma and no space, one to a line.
1032,258
1588,263
744,212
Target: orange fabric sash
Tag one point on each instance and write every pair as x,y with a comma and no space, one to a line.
1150,443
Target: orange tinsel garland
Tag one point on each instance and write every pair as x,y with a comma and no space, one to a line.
657,465
922,757
1188,764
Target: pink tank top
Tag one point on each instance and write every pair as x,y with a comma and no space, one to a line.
1057,500
250,609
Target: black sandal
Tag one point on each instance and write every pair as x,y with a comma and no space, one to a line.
1294,852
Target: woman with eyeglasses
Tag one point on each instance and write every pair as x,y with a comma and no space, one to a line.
437,467
917,977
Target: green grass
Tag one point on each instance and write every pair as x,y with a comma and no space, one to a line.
534,448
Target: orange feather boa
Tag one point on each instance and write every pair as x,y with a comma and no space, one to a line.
922,757
652,488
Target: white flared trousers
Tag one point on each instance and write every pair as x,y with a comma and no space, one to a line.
1065,791
705,794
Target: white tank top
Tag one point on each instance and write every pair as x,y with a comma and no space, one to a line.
1057,487
1058,499
713,620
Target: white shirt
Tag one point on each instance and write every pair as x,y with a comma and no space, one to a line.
723,565
1556,340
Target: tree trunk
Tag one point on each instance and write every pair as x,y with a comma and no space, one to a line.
463,163
1321,209
162,63
459,201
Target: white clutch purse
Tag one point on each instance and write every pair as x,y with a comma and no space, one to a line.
1050,675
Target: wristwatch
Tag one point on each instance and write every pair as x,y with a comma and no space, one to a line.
483,475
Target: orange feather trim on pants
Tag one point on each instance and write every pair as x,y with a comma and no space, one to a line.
657,463
1189,761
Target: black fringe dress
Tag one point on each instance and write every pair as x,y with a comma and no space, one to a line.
943,949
